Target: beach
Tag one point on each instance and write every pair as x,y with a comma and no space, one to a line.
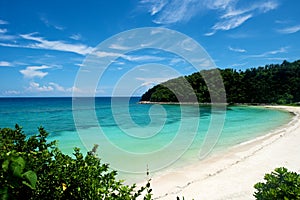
232,175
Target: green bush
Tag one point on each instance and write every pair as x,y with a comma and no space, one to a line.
280,184
33,168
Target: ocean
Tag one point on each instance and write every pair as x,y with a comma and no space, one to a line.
135,137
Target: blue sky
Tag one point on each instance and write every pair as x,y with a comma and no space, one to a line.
43,43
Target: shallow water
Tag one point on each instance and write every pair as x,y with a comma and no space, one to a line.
134,137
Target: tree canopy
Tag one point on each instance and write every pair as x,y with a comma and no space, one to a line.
279,184
273,83
33,168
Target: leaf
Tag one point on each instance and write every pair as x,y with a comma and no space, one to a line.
30,178
5,165
17,166
4,193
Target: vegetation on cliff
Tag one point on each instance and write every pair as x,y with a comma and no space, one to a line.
274,83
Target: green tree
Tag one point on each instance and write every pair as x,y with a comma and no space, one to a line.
280,184
273,83
44,172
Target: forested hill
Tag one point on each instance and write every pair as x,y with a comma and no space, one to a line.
274,83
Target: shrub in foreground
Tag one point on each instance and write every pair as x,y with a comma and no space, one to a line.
33,168
280,184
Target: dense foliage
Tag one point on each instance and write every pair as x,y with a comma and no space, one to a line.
274,83
32,168
280,184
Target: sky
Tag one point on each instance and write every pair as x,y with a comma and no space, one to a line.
44,44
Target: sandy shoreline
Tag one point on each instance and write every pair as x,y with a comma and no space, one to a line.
233,174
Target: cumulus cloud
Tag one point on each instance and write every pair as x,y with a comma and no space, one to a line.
57,87
34,71
36,87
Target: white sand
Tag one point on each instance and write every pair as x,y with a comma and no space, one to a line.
233,174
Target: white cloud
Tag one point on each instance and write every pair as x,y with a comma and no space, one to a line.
210,33
237,35
7,37
234,17
2,22
238,64
237,49
74,89
155,5
4,36
11,92
231,13
102,54
144,58
10,45
56,45
132,58
289,30
158,6
41,43
36,87
50,87
5,64
57,87
279,58
175,61
218,4
231,23
281,50
117,62
76,37
49,24
119,47
3,30
266,6
268,53
34,71
79,64
169,12
282,21
59,27
256,7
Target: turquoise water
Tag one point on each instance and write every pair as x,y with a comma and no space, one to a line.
132,135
